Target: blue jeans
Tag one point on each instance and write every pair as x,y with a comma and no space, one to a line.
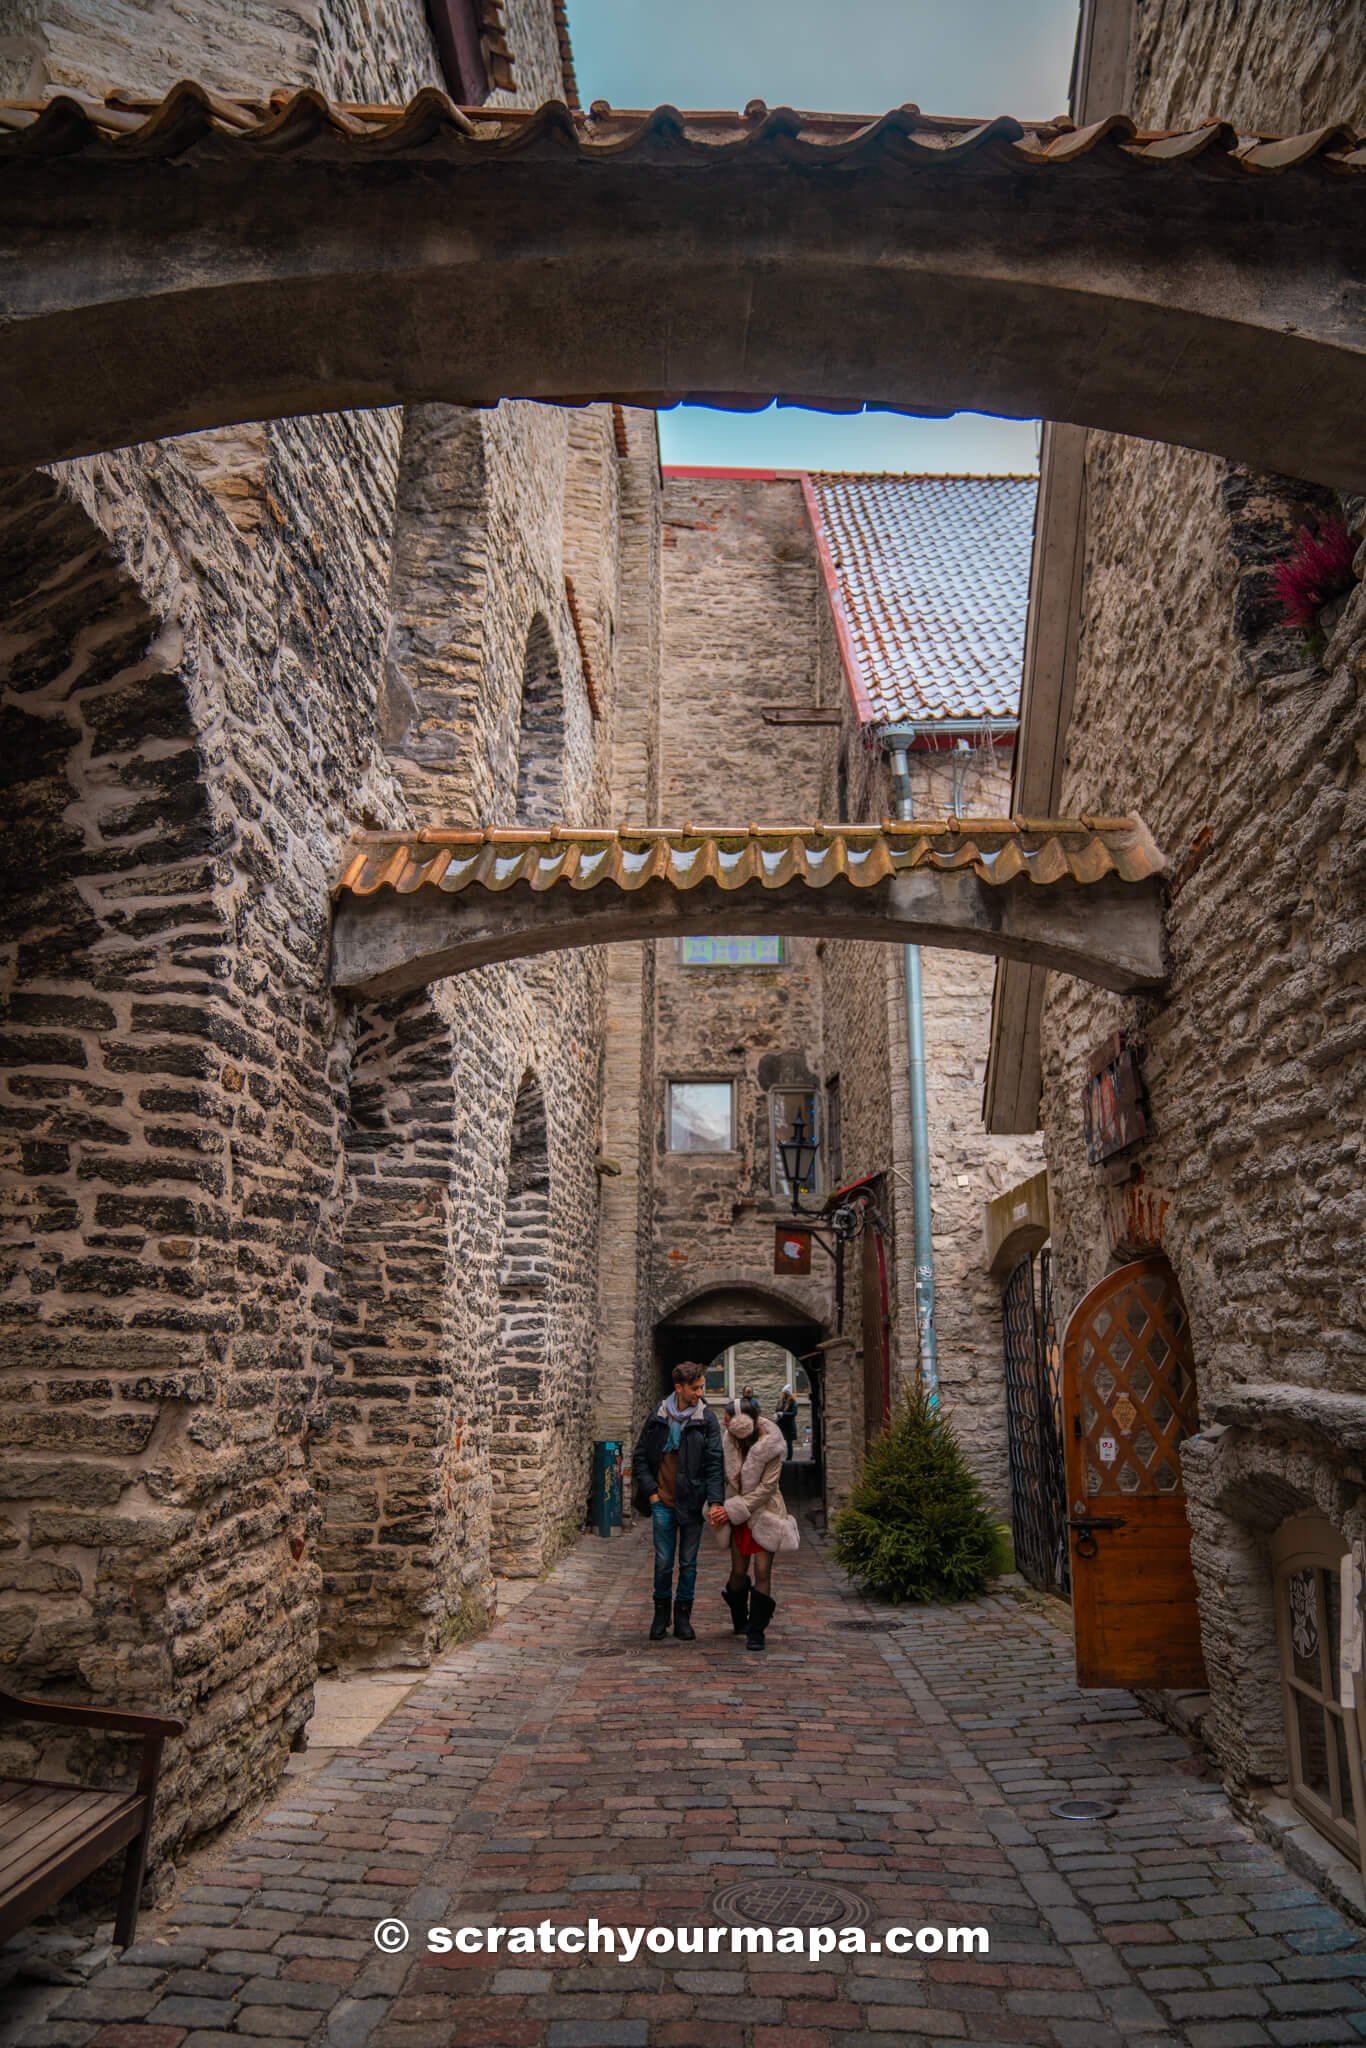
670,1534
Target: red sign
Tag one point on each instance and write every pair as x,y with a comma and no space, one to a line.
791,1249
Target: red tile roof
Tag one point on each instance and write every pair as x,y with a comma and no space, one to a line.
997,850
929,577
305,123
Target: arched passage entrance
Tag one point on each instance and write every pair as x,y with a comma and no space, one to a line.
1194,288
710,1323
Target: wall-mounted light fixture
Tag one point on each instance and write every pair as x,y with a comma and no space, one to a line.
798,1153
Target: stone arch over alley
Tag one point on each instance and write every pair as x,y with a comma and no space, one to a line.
1083,896
316,261
272,1356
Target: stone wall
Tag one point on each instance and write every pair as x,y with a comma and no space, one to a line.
867,1054
376,51
1243,750
747,623
741,601
967,1166
281,1217
865,1023
626,1378
767,1368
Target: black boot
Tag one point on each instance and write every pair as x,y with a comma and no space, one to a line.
683,1627
761,1613
737,1599
659,1627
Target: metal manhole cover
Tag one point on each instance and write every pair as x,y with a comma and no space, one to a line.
1082,1809
789,1902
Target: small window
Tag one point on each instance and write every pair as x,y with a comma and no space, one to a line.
784,1106
741,951
717,1381
701,1116
1322,1737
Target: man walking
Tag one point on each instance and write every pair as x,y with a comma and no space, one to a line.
678,1471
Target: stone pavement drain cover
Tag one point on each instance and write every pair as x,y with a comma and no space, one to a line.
1082,1809
789,1902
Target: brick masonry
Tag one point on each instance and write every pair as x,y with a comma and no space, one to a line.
912,1758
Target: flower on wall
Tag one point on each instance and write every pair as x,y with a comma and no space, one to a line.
1319,569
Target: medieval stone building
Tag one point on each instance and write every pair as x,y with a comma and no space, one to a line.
1160,666
313,1307
314,1302
807,623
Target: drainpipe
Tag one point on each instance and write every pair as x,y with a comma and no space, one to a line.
898,740
926,1337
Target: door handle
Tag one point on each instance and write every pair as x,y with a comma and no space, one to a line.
1086,1527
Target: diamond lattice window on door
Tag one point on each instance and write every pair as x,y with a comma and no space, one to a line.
1323,1739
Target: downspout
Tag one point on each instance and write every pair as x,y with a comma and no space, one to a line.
927,1340
898,740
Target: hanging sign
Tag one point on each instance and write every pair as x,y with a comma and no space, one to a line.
791,1249
1114,1109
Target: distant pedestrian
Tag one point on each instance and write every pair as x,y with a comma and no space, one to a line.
785,1415
678,1472
754,1517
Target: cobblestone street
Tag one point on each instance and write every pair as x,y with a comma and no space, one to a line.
563,1767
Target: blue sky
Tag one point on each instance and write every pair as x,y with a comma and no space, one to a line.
852,56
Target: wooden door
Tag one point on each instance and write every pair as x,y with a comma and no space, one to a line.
1129,1399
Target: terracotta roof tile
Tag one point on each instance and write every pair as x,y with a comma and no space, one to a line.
191,118
1046,850
931,576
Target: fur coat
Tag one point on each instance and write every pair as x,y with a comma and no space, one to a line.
753,1486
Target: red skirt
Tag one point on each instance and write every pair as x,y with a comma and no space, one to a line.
745,1543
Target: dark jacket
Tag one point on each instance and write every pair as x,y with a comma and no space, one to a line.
701,1477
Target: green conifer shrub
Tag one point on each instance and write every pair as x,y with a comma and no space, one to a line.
917,1526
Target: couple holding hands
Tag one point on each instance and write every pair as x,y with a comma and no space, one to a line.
687,1469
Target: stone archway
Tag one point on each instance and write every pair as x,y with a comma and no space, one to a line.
723,1314
1190,288
1083,896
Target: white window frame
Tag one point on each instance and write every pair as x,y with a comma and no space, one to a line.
1311,1543
777,1180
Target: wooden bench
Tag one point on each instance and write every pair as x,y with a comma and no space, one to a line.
53,1835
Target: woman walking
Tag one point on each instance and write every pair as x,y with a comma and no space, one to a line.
785,1415
753,1516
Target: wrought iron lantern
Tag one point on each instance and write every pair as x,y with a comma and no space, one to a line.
798,1154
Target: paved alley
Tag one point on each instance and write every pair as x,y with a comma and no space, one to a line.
563,1767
